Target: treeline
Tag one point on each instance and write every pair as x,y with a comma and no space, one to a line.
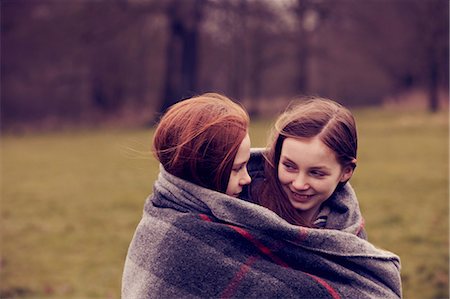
84,60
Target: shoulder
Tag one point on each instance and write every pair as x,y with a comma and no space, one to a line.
255,164
255,168
344,212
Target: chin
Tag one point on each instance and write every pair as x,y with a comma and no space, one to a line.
233,194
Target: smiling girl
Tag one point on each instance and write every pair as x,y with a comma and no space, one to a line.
311,157
197,240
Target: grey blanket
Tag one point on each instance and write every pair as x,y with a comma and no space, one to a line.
197,243
341,211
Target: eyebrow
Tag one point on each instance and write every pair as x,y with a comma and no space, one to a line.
320,167
287,160
239,164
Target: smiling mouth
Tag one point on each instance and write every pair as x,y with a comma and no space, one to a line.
301,197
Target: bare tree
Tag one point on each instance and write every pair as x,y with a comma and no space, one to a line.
184,19
432,35
309,15
407,40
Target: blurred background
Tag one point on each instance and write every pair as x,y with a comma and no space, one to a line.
88,61
84,81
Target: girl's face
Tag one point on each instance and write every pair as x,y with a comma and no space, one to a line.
239,176
309,173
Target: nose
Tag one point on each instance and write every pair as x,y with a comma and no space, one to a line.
245,179
300,182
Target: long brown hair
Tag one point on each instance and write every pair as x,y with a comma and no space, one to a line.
197,139
309,117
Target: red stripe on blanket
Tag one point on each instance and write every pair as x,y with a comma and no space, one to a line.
334,294
205,217
265,250
232,286
234,283
303,233
361,226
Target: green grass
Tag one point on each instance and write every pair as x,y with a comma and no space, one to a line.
70,203
402,185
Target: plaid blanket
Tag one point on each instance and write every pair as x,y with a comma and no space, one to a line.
197,243
340,212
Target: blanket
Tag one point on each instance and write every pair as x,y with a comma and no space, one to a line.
341,211
193,242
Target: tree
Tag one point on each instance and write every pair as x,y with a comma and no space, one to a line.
184,19
310,14
406,40
432,33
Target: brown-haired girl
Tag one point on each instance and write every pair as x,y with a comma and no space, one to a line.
197,240
312,154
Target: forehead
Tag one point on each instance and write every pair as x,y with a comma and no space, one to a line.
310,152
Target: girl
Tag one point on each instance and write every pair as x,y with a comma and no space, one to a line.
311,156
204,140
197,240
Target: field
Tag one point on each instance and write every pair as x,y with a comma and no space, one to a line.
70,203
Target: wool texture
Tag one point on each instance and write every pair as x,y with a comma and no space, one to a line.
341,211
193,242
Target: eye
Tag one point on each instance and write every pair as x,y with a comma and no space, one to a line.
289,166
239,167
318,173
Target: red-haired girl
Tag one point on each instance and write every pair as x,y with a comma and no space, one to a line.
197,240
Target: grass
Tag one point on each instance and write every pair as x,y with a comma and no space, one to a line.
70,203
402,185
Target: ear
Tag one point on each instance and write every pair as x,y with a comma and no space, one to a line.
348,172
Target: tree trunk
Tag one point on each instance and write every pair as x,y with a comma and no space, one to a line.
302,48
182,51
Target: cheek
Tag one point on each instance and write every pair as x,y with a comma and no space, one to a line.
232,180
327,186
231,186
284,176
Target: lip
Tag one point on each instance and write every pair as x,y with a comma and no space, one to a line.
301,197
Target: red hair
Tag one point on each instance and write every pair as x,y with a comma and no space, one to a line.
197,139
